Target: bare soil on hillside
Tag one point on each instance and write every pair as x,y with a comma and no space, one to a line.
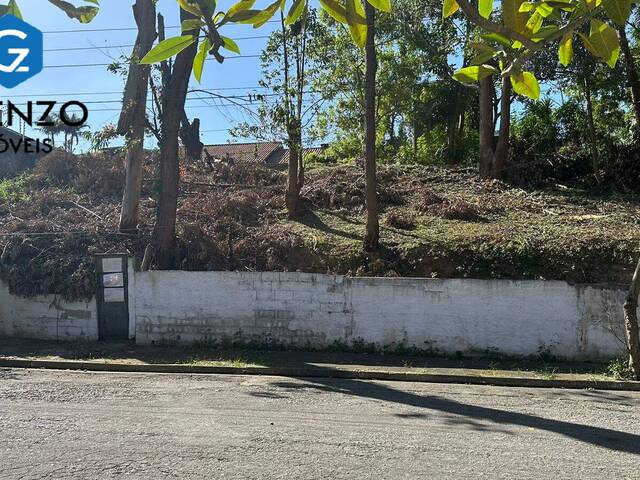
435,223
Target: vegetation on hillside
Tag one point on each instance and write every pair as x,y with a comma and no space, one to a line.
436,223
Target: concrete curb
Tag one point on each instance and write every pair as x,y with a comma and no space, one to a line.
311,372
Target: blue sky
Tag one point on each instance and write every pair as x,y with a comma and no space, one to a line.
235,77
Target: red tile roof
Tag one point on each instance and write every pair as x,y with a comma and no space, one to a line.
257,152
270,153
306,151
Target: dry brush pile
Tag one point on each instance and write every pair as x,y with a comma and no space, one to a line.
230,217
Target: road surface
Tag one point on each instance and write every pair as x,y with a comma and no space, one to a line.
63,425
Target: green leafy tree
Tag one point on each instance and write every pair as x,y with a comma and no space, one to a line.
515,33
360,19
521,29
52,128
285,113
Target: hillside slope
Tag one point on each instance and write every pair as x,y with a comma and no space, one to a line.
435,223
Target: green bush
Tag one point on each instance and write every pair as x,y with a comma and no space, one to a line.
14,189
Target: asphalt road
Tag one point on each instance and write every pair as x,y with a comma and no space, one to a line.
77,425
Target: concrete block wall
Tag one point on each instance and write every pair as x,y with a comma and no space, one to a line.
47,317
297,309
513,317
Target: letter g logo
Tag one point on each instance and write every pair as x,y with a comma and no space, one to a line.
20,51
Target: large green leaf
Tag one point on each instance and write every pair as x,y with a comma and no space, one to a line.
604,40
268,13
497,38
512,17
484,53
244,16
485,7
167,49
241,5
526,84
198,62
449,7
356,21
295,12
13,9
534,23
257,18
190,6
474,73
617,10
383,5
230,45
335,10
565,52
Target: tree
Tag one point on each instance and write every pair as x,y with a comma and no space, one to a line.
287,68
85,13
633,78
53,126
133,118
352,13
526,29
173,101
372,236
72,131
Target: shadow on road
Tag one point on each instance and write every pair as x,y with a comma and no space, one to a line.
601,437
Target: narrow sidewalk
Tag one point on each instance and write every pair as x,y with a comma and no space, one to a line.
202,359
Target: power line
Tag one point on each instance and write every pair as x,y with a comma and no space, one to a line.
123,29
119,92
202,98
86,65
216,105
107,47
213,105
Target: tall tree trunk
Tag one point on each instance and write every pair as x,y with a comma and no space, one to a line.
133,117
455,125
487,126
501,154
173,100
631,323
372,238
632,75
292,195
301,47
494,156
593,140
301,169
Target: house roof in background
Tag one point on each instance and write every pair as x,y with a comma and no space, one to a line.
269,153
305,151
9,132
257,152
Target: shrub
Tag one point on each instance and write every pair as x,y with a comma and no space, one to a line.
401,220
456,210
13,190
620,370
58,167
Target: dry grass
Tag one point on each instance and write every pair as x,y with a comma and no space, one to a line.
436,223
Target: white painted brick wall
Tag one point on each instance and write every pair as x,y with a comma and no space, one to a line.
523,317
515,317
47,317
